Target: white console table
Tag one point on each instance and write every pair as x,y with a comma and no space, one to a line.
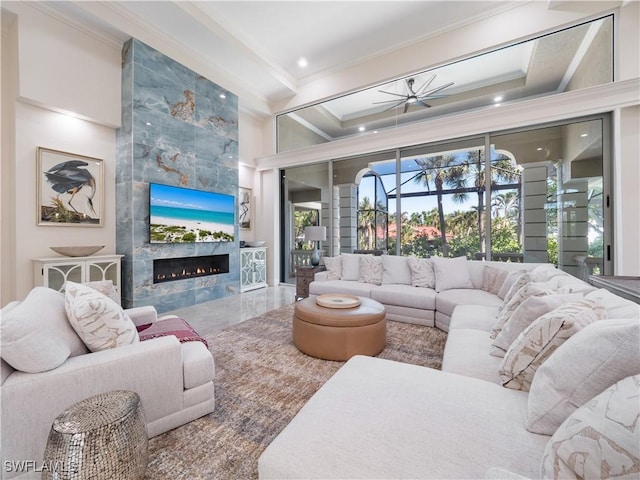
53,272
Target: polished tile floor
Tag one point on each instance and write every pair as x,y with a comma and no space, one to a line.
213,316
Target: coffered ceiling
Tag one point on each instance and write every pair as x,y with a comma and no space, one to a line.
252,47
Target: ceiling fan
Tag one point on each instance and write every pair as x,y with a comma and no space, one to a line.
415,97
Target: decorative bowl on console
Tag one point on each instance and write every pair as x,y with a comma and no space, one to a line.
77,251
256,243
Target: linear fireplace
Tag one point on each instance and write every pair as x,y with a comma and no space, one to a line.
170,269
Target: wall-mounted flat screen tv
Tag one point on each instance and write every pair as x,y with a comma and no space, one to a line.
184,215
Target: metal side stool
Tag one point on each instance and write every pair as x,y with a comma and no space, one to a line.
103,437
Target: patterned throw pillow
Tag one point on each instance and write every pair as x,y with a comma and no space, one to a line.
540,339
99,321
493,278
334,267
422,274
529,311
599,439
370,269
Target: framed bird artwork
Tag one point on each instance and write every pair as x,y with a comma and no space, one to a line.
70,189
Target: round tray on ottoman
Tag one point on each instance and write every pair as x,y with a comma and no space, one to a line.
339,333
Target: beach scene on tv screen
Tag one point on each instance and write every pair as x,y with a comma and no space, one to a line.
182,215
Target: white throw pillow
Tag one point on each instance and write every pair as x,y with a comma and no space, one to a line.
615,306
333,266
512,277
395,270
525,292
350,267
529,310
422,274
35,334
451,273
540,339
600,439
99,321
370,269
594,358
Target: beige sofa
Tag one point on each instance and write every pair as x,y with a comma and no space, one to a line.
174,380
381,419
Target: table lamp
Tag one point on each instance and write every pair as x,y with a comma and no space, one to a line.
315,234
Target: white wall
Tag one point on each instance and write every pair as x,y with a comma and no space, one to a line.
55,68
626,201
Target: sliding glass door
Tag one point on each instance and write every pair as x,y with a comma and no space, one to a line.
539,196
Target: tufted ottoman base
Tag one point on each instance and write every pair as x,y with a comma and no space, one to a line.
339,334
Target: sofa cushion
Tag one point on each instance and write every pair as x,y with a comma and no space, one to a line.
377,418
590,361
540,339
465,353
341,286
451,273
395,270
406,296
350,266
477,317
35,334
523,316
333,266
99,321
448,300
422,274
370,269
600,439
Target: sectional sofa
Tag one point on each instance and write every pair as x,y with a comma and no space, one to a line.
540,378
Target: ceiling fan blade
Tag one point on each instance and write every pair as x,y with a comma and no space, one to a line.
425,85
391,93
422,104
389,101
437,89
406,107
397,104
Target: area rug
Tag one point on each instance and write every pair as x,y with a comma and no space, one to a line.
261,382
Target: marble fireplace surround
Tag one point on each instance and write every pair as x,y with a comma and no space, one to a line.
181,129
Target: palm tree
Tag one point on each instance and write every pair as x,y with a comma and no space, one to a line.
366,222
502,170
441,170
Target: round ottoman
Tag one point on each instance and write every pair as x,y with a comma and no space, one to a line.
339,333
101,437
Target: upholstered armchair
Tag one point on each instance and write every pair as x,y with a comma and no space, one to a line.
46,367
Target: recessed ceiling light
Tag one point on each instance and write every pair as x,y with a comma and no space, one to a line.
361,128
497,99
302,62
539,149
222,95
584,135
